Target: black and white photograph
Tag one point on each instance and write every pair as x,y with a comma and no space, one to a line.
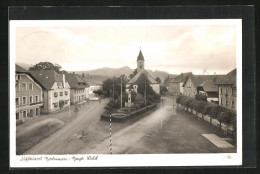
153,92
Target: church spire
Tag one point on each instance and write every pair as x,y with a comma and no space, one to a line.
140,56
140,61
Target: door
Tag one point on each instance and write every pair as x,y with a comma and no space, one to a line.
31,112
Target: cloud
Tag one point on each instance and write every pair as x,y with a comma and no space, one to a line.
169,48
79,40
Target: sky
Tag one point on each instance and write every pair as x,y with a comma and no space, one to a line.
201,49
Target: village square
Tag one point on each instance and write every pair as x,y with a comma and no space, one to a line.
62,112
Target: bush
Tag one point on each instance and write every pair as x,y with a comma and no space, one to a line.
193,105
178,99
200,107
201,97
188,101
222,114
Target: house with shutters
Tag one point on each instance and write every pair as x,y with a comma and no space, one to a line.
28,99
142,75
79,89
227,90
56,90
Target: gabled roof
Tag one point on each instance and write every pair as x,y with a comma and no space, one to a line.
47,77
209,86
229,79
180,78
198,79
91,82
140,56
147,75
19,69
75,81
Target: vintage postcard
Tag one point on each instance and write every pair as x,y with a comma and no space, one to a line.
115,93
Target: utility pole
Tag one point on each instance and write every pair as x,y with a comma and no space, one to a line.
121,93
145,92
113,87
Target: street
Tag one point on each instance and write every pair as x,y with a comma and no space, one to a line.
162,131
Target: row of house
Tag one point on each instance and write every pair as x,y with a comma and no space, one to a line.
46,91
220,89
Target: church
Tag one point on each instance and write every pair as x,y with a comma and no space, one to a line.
142,75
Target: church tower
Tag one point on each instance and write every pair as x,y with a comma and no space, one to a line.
140,61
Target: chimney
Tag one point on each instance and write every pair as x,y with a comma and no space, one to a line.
83,75
73,72
63,80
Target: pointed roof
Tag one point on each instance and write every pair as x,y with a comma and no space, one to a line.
229,79
198,79
180,78
91,82
75,81
140,56
209,86
47,77
19,69
147,75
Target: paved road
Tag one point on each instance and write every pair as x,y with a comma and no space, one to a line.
66,141
163,131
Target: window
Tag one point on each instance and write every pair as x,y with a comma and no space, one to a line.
66,92
24,100
17,115
17,101
55,94
221,101
61,93
232,92
30,86
31,99
233,104
23,86
17,86
36,98
226,102
42,95
55,104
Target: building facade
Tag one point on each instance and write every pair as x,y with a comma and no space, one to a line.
28,98
176,84
56,90
78,88
228,91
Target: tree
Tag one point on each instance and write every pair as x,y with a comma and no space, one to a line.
133,74
158,80
47,66
98,92
201,97
108,86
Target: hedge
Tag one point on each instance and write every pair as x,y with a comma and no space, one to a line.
222,114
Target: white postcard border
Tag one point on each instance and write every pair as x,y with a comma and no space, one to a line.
217,159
